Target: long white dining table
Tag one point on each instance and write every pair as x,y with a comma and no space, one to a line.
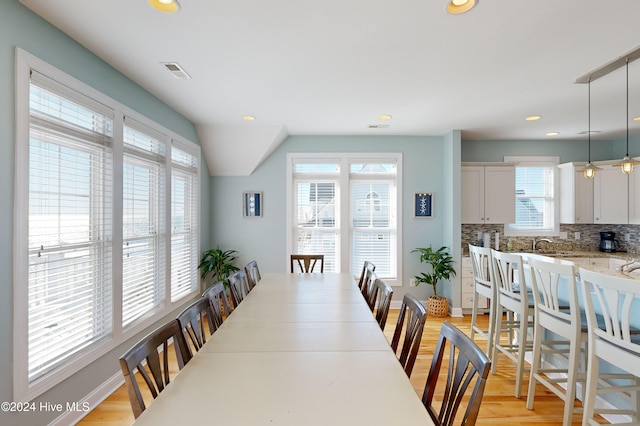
300,350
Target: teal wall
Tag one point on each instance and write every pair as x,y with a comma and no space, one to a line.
567,150
264,239
19,27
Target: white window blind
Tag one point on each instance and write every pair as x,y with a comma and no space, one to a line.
536,204
373,217
184,223
69,214
317,214
143,212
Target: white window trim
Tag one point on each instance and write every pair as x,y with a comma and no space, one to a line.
23,391
345,158
541,161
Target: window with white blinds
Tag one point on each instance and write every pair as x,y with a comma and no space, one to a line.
373,217
69,222
143,221
536,203
346,208
97,195
184,222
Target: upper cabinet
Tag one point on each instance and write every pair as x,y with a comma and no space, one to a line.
576,195
610,196
488,193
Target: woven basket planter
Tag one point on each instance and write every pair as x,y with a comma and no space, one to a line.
438,306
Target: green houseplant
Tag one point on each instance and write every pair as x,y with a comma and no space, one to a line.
219,264
440,268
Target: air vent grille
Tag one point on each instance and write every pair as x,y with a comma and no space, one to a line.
177,71
378,126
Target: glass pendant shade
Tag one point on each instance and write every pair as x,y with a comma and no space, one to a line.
168,6
627,163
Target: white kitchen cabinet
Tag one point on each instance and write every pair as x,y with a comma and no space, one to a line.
488,193
610,196
576,195
466,279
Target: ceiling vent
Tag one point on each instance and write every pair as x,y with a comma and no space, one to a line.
177,71
378,126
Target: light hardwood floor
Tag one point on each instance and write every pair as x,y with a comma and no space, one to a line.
499,405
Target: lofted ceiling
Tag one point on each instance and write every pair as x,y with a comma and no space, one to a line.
332,67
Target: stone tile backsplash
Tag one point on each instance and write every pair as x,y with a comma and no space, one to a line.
589,237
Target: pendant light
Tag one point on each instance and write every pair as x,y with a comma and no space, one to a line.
169,6
627,163
589,169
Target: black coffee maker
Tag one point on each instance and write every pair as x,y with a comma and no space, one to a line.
608,242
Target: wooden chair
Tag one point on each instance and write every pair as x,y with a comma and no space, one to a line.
306,262
367,265
192,322
612,329
253,273
382,294
552,284
465,363
512,298
147,351
239,287
367,284
415,315
218,301
483,286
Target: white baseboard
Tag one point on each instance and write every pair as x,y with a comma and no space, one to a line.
93,399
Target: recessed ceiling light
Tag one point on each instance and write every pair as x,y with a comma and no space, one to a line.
636,118
384,117
456,7
533,118
248,117
168,6
552,133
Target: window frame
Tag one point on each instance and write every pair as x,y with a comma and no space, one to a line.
538,161
24,390
344,225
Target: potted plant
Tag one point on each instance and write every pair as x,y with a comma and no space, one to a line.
219,264
441,268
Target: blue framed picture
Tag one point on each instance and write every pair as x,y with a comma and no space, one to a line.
423,204
252,204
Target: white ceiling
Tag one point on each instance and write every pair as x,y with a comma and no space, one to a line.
331,67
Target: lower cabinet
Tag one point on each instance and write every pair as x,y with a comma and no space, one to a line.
466,279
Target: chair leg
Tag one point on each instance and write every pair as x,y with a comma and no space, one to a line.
522,343
570,396
492,328
589,400
535,365
496,342
474,315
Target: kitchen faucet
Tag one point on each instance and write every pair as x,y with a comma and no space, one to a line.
534,243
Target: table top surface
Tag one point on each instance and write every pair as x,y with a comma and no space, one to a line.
312,356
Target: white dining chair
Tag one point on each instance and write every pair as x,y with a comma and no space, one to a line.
612,304
483,286
556,311
513,299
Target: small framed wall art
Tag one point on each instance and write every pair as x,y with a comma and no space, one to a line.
252,204
423,204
